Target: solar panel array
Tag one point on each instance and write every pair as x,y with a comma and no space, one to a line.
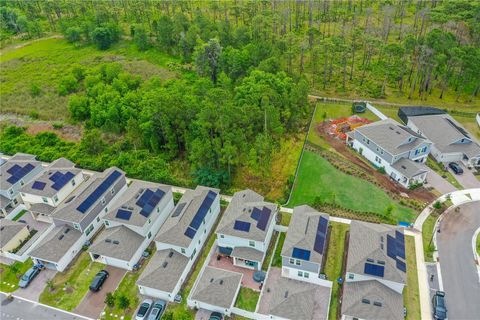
123,214
374,270
200,215
302,254
396,249
401,265
38,185
18,172
261,216
98,192
241,225
61,179
149,200
321,235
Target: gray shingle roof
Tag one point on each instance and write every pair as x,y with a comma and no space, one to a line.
19,159
62,166
408,168
106,243
129,199
374,291
217,287
366,243
302,232
240,208
391,136
247,253
173,230
56,244
163,271
9,229
4,201
42,208
443,130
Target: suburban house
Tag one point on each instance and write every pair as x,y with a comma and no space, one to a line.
14,174
78,218
48,189
215,290
375,272
246,228
451,142
179,242
304,246
132,224
12,234
394,147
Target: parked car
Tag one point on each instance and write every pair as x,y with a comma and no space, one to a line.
157,310
439,307
216,316
455,167
29,276
98,281
143,309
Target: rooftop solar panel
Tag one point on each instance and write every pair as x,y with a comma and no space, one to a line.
401,266
319,244
144,197
264,217
54,177
299,253
256,214
63,180
123,214
241,226
95,195
14,169
190,232
374,270
150,201
391,247
320,236
38,185
17,172
323,225
203,210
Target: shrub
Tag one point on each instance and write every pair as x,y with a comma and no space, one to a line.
381,170
123,302
110,300
34,114
35,90
57,125
437,205
73,34
68,85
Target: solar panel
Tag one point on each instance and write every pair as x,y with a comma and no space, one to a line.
203,210
17,172
38,185
241,225
256,214
264,217
63,180
14,169
391,247
301,254
374,270
149,200
401,266
54,177
400,244
319,244
95,195
123,214
190,232
321,235
323,225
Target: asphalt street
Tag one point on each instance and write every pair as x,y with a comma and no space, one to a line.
460,278
18,309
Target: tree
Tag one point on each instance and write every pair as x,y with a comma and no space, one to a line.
110,300
123,302
140,37
73,34
207,58
104,36
79,107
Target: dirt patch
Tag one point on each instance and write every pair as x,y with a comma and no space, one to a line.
420,194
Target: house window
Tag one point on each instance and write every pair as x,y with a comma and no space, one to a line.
89,230
149,221
306,275
44,199
73,183
351,276
149,235
158,209
113,191
297,262
55,198
183,250
193,253
106,209
368,141
424,149
10,191
107,223
251,243
22,183
292,261
300,273
222,236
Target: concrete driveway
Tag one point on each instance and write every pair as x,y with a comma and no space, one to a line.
459,272
93,303
36,287
437,182
467,179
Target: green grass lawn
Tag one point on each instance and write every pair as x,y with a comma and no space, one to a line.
270,251
438,168
247,299
411,296
10,274
333,265
277,258
70,286
19,215
318,178
285,220
427,234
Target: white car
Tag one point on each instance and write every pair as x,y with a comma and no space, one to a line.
143,310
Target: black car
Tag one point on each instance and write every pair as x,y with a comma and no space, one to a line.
216,316
98,281
439,307
455,167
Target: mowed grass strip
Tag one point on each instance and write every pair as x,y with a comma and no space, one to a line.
10,274
427,235
70,286
333,265
411,295
277,258
318,178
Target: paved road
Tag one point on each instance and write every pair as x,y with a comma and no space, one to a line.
459,273
19,309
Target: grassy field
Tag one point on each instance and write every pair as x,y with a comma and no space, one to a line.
411,296
10,275
427,234
277,258
70,286
333,265
247,299
318,178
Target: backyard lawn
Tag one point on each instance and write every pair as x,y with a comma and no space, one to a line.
277,258
247,299
70,286
318,178
333,265
19,215
10,275
411,296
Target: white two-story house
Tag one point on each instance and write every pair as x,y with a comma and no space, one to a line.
178,243
132,224
394,147
78,218
14,174
48,189
246,228
375,272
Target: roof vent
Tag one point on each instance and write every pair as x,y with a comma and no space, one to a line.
60,237
366,301
165,264
377,304
391,128
116,242
170,254
370,260
108,240
124,207
130,208
381,262
286,294
403,167
398,132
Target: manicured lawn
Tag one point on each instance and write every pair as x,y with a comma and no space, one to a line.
478,244
438,168
411,296
247,299
270,251
10,275
318,178
333,265
70,286
427,234
19,215
277,258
